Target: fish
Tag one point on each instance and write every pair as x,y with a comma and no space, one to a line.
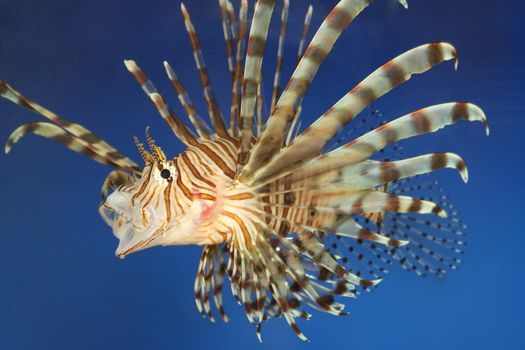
295,219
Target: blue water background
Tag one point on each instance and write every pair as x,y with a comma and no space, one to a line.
61,287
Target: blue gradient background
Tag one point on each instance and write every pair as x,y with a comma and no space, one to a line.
61,287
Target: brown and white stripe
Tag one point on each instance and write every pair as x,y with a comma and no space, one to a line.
238,77
315,138
260,104
200,125
252,74
228,35
234,28
209,95
371,173
77,136
377,201
279,63
277,126
306,27
179,129
169,116
426,120
54,132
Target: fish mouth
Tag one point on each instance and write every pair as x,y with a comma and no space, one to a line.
132,236
132,240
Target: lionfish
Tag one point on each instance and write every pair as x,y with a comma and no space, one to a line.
291,223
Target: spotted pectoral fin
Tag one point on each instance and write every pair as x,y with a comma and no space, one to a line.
350,228
364,258
436,244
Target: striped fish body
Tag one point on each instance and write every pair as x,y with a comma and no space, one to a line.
272,206
196,198
178,201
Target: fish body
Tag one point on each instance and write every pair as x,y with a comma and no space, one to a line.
272,205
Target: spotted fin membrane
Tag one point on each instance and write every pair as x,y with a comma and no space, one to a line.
437,243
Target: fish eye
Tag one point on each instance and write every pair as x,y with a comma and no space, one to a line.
165,174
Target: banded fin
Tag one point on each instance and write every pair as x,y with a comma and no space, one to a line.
437,244
210,279
285,110
225,6
239,74
78,145
306,27
426,253
371,174
426,120
209,95
77,135
364,258
234,27
293,131
200,125
179,129
252,74
284,278
376,201
423,121
359,126
315,138
279,63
